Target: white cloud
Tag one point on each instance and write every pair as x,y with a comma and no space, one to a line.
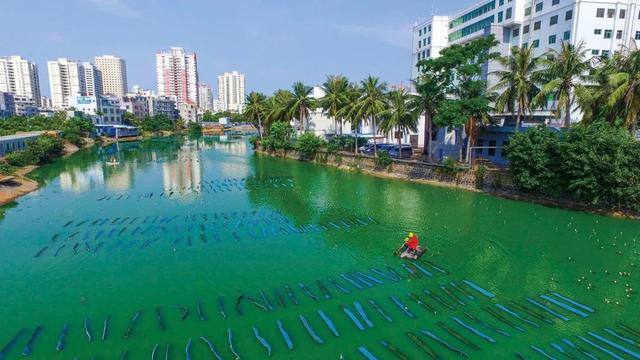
398,36
119,8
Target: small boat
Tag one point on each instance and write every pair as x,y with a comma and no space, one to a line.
112,161
413,255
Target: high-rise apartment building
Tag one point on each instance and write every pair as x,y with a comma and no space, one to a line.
177,75
113,73
69,78
231,91
20,77
205,97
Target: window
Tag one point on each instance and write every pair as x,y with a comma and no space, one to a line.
623,13
507,15
637,35
525,45
500,16
566,35
515,33
479,144
492,148
429,28
428,52
595,52
553,20
552,39
608,34
619,34
535,43
525,29
611,13
539,6
527,11
638,15
536,25
420,32
501,2
600,12
605,53
568,15
429,40
555,2
597,31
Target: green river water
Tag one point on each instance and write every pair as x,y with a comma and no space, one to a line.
182,222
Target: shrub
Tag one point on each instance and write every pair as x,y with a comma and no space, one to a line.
450,167
253,140
6,169
480,174
596,164
39,151
383,161
308,144
279,138
533,156
195,129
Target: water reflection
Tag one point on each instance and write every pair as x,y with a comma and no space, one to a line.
185,172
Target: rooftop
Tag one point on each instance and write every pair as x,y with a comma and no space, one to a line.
22,135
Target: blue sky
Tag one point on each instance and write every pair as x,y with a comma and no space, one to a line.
273,42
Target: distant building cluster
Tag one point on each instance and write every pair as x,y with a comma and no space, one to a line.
99,90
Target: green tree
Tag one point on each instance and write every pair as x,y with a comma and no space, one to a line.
371,103
255,109
280,136
301,104
467,100
399,115
517,82
431,87
567,70
336,89
348,113
308,144
625,90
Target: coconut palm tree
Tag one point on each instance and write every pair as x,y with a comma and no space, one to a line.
567,71
255,109
625,90
431,90
518,82
301,104
279,106
348,112
371,103
399,115
335,89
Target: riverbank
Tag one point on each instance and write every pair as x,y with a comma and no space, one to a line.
19,183
496,182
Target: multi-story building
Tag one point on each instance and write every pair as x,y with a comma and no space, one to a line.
604,26
20,76
177,74
205,97
231,91
100,109
7,107
155,104
24,106
113,72
69,78
45,103
136,104
188,111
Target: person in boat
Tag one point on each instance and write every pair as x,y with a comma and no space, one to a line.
412,243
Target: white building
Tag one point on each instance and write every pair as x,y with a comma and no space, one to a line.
231,91
605,26
136,104
20,77
177,74
69,78
205,97
188,112
113,72
101,109
45,102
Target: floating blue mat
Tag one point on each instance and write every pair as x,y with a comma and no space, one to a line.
366,353
479,289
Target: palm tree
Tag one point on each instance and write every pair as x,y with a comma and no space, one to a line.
399,115
371,103
301,103
625,87
431,91
254,110
517,82
348,112
567,71
279,106
335,89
